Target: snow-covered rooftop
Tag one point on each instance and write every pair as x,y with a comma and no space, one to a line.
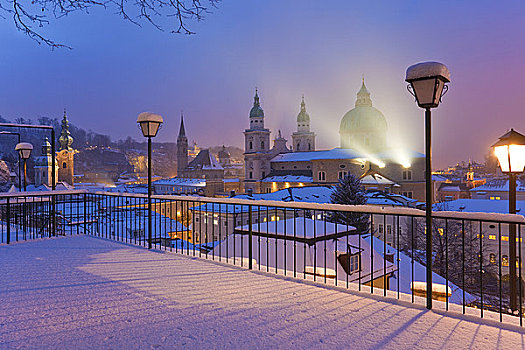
288,178
479,206
182,181
499,185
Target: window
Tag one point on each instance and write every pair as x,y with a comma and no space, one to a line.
380,228
492,237
309,147
297,146
342,174
505,260
251,174
505,238
388,229
321,176
263,173
250,145
407,174
408,194
350,262
492,259
64,165
441,231
262,144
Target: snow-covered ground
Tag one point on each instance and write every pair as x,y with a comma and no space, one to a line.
84,292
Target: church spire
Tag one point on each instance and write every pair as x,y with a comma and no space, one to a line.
363,96
182,131
65,138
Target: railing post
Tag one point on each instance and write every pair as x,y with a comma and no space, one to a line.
84,211
8,219
250,235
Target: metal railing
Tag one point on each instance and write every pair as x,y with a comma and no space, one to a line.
371,248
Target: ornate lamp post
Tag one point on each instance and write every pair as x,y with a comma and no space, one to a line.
149,124
24,150
510,151
426,82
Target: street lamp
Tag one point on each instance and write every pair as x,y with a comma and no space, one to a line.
24,152
426,82
510,151
149,124
19,162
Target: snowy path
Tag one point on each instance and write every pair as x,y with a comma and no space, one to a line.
82,292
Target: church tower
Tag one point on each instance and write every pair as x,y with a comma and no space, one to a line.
256,148
66,154
303,140
182,149
43,166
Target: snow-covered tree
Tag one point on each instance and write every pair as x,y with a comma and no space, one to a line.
349,191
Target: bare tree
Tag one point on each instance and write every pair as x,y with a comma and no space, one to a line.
28,15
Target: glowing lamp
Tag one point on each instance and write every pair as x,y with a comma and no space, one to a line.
24,149
510,151
427,83
149,123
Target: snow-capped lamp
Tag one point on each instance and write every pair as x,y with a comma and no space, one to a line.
426,82
510,151
149,123
24,149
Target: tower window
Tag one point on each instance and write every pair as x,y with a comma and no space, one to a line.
297,146
64,165
251,175
251,145
309,147
262,144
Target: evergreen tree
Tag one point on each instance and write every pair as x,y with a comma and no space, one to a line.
349,191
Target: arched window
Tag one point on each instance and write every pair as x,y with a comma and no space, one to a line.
262,144
251,145
64,165
298,146
309,147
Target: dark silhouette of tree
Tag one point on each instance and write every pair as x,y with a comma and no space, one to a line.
349,191
28,15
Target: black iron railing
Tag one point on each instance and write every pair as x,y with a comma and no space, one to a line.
317,242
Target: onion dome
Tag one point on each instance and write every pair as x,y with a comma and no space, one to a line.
65,138
303,117
256,110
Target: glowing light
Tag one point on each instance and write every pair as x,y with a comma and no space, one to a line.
286,184
301,184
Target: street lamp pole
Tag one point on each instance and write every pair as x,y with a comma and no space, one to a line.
510,151
427,84
149,124
19,159
24,151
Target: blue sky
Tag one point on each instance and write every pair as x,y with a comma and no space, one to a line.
285,48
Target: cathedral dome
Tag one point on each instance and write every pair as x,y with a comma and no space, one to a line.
363,118
363,127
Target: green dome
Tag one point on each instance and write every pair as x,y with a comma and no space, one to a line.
256,110
363,118
303,117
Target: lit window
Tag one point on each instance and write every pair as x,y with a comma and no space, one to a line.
492,258
441,231
505,260
505,238
492,237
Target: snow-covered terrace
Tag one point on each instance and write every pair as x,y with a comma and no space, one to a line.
85,292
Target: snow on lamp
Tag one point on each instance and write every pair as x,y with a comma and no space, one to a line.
24,149
427,83
510,151
149,123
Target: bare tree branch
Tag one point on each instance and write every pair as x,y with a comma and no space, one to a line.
29,16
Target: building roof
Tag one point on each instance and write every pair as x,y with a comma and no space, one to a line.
499,185
479,206
206,161
288,178
374,178
181,181
336,153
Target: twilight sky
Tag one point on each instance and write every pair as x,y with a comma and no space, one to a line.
285,48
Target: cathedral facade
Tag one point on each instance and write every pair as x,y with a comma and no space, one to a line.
363,152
